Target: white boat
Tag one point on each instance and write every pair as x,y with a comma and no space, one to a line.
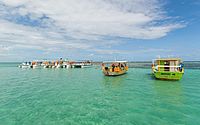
59,66
82,64
46,64
36,64
77,65
25,65
86,65
66,65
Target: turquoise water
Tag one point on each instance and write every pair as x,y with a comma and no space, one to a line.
86,97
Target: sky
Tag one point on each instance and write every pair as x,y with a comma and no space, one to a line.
133,30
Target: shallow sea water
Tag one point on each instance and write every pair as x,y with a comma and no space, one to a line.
87,97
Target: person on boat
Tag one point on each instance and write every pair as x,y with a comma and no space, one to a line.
181,67
113,67
122,66
156,68
103,65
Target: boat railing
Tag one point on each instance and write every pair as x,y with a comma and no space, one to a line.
169,68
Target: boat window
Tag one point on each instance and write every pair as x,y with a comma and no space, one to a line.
166,63
172,66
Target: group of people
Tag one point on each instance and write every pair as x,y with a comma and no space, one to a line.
118,66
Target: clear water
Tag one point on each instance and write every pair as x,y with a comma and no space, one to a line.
87,97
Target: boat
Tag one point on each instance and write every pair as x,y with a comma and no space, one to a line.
58,63
25,65
52,64
167,68
45,64
82,64
35,64
67,64
115,68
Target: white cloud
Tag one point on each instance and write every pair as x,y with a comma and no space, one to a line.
80,24
127,18
22,43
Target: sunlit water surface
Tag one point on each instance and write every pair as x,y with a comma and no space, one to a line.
87,97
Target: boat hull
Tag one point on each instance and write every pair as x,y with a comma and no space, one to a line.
81,66
77,66
108,73
24,66
67,66
168,75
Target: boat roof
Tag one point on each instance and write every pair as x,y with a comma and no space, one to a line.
168,59
114,61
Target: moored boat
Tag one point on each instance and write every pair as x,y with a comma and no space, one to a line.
82,64
167,68
53,64
25,65
115,68
35,64
66,65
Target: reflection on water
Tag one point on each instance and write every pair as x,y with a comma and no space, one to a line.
86,96
114,81
168,91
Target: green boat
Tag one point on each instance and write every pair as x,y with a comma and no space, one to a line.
167,68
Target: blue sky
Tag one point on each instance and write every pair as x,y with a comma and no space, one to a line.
135,30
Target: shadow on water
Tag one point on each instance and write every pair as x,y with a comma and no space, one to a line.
150,76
